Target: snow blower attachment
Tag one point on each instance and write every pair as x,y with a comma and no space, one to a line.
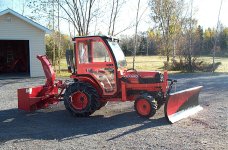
99,75
34,98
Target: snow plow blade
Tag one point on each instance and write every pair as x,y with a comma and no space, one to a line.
182,104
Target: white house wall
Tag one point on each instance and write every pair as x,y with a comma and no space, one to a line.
13,28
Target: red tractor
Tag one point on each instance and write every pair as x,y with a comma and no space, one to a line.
100,74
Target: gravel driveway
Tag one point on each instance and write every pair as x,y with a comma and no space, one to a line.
116,126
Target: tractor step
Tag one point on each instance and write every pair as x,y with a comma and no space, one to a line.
182,104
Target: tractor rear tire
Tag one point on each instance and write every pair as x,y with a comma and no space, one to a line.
145,106
81,99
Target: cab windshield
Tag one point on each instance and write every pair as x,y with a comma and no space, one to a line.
118,53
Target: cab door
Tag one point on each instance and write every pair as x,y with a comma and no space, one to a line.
95,59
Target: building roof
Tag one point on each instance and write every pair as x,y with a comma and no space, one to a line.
10,11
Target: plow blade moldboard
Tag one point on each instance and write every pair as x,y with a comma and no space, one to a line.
182,104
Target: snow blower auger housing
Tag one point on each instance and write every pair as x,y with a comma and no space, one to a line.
34,98
99,74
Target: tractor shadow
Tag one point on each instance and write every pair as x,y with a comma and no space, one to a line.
59,125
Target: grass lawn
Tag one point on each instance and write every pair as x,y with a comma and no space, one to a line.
154,63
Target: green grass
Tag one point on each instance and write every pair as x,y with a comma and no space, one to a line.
154,63
63,68
157,62
146,62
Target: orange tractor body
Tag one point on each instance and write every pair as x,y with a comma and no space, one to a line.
100,74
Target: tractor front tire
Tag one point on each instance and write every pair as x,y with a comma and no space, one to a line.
145,106
81,99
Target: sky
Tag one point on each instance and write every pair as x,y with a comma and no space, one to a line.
208,10
205,11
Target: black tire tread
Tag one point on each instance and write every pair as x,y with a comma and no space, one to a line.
90,91
152,103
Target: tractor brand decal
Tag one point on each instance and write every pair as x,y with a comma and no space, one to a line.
132,76
29,90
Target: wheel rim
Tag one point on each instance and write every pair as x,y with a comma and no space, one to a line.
143,107
79,100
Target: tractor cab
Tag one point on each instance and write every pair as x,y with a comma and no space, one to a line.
99,58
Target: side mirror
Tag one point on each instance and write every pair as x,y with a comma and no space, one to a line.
69,60
69,69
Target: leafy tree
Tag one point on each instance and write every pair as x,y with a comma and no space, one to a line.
209,37
65,44
127,45
198,40
223,41
166,14
79,13
115,8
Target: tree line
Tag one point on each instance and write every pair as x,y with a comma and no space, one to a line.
149,43
174,32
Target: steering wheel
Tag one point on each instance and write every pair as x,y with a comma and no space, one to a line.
131,69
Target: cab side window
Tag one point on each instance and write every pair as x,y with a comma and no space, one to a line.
100,53
83,53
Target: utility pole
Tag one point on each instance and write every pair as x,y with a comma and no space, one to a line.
59,43
136,37
174,49
216,37
147,45
53,33
190,42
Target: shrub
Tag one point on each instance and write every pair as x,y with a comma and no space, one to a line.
195,66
